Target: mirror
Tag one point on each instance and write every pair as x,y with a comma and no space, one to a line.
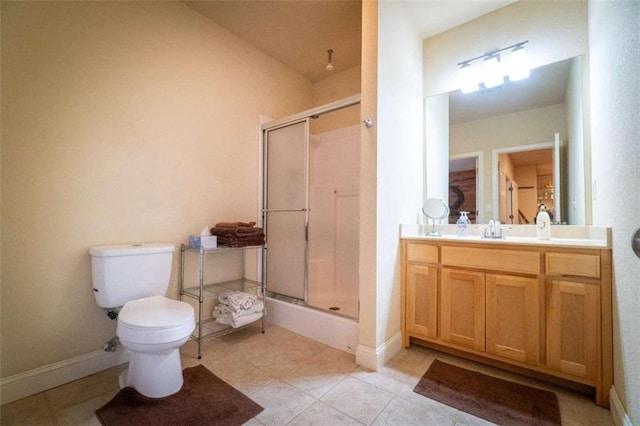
436,210
505,157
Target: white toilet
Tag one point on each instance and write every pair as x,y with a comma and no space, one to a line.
150,326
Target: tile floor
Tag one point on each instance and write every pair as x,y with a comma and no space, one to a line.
298,382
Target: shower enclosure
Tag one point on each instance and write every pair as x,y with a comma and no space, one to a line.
311,208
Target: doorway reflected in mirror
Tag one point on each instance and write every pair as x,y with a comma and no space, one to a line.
526,181
463,188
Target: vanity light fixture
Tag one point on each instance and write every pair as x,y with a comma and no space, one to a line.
330,63
490,70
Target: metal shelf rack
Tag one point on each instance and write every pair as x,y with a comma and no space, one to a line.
206,325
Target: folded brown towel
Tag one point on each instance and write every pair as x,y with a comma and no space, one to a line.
238,234
231,241
234,224
240,231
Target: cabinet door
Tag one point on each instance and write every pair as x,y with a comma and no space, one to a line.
573,313
422,300
462,319
513,317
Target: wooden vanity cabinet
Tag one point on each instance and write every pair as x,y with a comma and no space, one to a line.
490,300
496,313
573,312
540,308
421,278
462,305
573,321
513,318
422,291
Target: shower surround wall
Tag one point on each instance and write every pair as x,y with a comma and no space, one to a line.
333,220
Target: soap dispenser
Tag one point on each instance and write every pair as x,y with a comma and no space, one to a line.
543,224
462,224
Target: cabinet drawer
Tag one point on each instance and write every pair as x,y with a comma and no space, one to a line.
579,265
524,262
417,252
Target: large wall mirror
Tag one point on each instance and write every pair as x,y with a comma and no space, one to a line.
521,145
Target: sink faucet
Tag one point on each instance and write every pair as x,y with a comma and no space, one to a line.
493,231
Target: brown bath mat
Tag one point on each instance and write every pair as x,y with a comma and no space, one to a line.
497,400
203,400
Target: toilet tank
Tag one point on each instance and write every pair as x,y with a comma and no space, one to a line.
125,272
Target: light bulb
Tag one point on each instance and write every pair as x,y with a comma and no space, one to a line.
492,72
518,65
468,82
329,60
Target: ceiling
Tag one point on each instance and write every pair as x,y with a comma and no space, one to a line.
298,33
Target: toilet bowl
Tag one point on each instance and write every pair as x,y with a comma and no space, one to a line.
153,329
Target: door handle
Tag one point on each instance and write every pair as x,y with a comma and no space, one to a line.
635,242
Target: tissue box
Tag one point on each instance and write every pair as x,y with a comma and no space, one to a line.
203,241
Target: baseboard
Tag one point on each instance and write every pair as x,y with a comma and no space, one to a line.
620,417
374,358
41,379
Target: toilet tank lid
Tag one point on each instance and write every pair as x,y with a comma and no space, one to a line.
130,249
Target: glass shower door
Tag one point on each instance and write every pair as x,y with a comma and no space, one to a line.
285,209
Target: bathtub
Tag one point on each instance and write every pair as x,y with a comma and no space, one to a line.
332,330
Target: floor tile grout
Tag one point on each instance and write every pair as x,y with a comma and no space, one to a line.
280,359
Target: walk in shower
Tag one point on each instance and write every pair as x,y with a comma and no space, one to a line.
311,208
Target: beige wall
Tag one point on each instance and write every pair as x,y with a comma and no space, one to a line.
122,122
368,168
337,86
333,88
615,136
396,152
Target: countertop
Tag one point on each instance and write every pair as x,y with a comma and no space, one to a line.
573,236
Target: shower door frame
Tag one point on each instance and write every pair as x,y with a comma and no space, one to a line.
304,209
278,124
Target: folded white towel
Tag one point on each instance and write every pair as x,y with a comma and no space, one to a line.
237,300
222,309
239,321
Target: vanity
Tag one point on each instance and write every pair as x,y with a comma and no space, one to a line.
536,307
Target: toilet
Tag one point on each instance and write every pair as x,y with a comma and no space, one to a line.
150,326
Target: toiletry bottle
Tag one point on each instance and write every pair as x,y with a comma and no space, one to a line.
462,224
543,224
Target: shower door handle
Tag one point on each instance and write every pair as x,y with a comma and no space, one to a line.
283,210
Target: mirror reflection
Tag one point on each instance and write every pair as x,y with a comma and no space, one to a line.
515,147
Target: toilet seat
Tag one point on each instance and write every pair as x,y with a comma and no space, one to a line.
155,320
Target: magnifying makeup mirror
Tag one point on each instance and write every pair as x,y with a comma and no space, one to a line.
435,209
